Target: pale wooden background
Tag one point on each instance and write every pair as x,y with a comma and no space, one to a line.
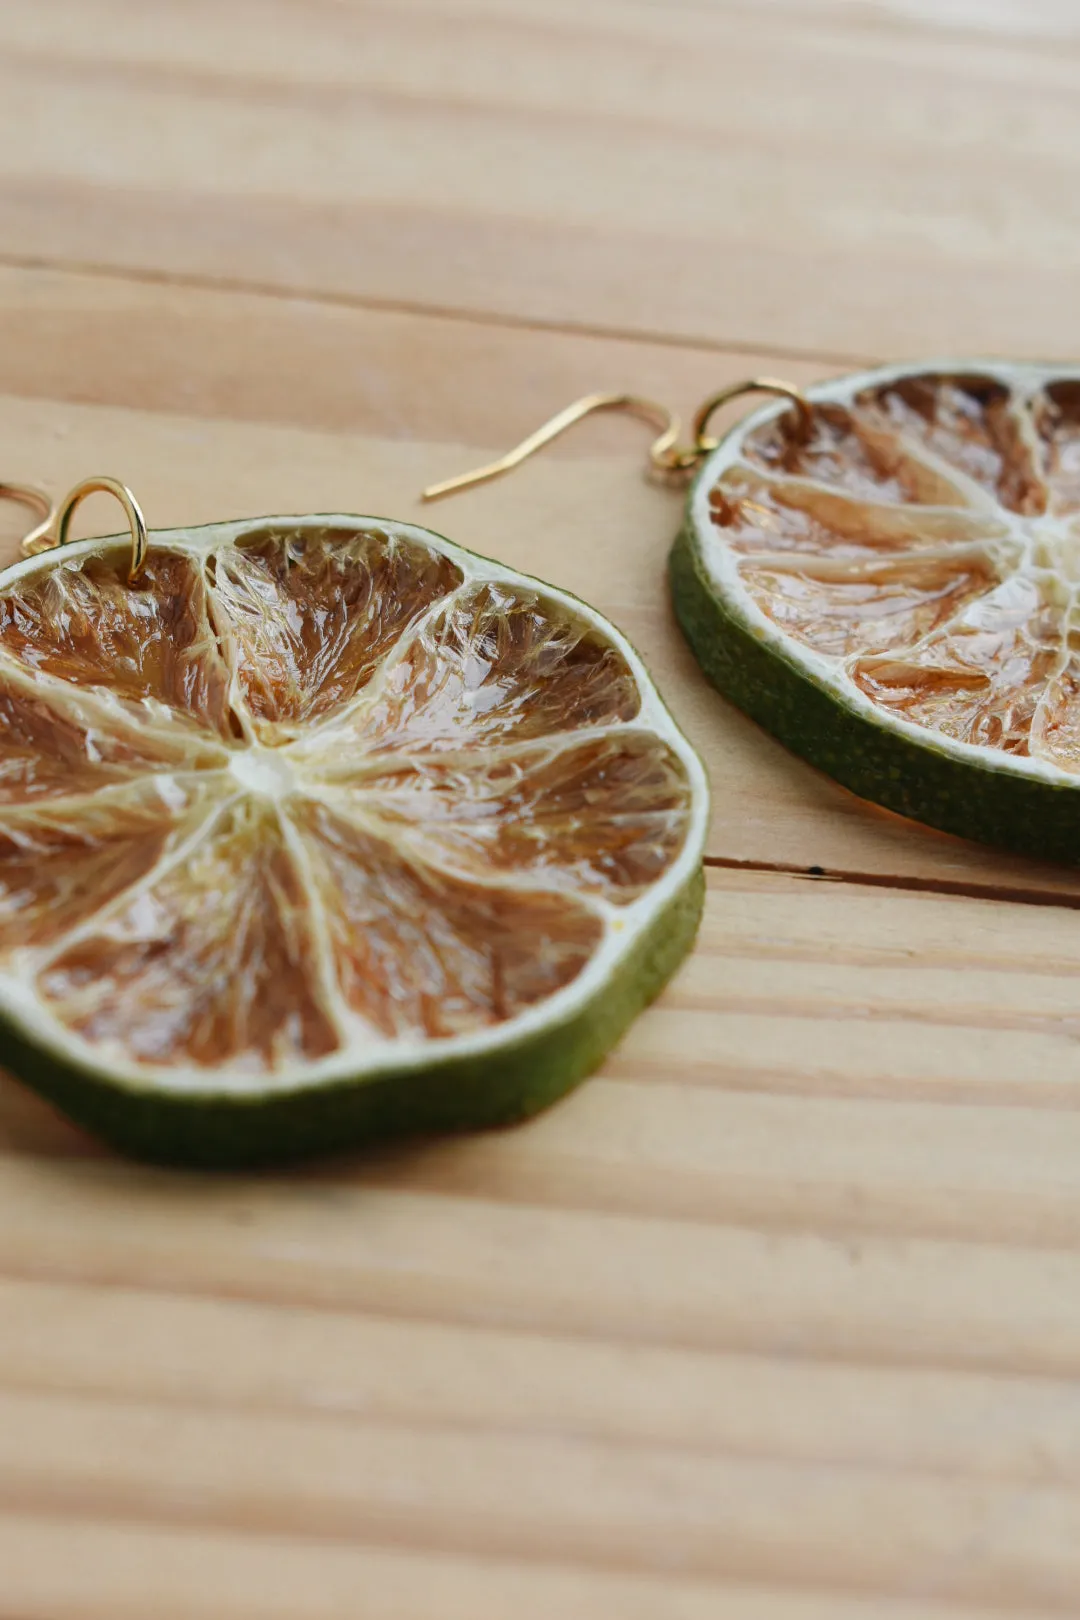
779,1318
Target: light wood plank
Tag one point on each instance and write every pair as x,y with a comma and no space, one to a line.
106,339
189,1352
65,1569
724,172
883,1299
538,1499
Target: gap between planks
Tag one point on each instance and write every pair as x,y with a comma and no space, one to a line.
958,888
285,293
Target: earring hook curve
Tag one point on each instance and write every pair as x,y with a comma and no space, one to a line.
666,455
53,531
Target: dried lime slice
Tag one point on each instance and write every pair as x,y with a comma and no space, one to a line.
894,592
326,829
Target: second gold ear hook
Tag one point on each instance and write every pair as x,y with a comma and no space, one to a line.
666,455
39,501
53,530
656,415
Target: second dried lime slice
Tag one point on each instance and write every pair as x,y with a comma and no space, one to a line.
895,593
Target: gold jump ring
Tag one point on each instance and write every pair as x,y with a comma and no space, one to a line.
756,385
53,532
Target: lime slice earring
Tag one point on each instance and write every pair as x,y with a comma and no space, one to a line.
319,829
883,571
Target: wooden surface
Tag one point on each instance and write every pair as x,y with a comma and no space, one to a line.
778,1318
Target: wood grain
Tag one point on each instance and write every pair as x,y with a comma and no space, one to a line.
720,172
279,1578
778,1318
108,339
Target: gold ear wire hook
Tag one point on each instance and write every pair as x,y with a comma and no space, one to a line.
656,416
39,501
54,531
754,385
666,455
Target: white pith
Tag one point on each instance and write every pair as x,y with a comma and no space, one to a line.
266,772
1046,547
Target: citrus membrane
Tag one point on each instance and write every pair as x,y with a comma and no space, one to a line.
896,593
325,829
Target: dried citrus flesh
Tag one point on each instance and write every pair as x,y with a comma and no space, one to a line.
896,592
325,829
